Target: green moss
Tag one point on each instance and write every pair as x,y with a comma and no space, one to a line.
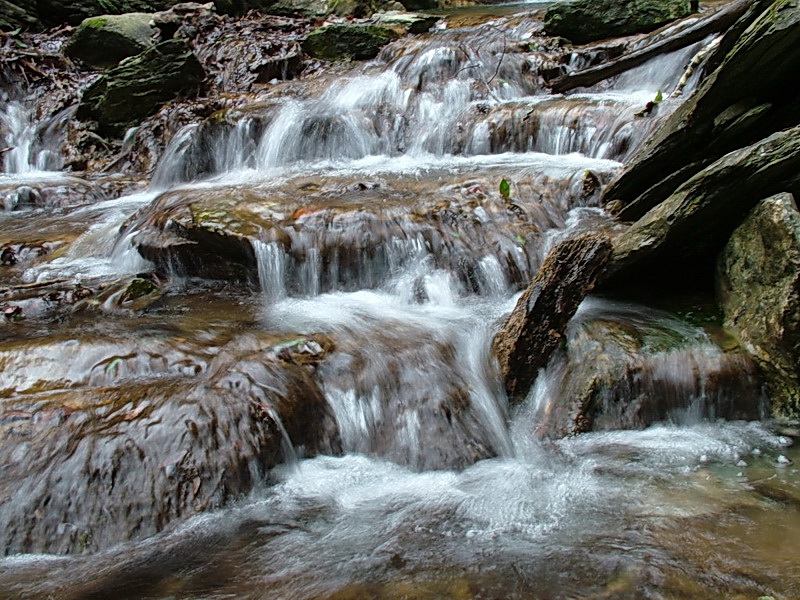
95,23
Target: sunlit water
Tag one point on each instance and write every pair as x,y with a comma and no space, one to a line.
441,489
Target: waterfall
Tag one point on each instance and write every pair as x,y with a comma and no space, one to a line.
30,146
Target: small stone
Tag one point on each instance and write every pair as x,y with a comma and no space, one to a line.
703,458
741,463
756,452
782,460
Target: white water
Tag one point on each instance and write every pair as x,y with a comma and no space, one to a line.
411,383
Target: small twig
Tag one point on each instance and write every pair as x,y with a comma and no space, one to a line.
32,286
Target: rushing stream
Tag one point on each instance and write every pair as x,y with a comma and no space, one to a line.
375,260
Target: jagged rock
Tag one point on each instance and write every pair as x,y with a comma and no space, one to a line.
723,114
104,41
149,453
583,21
626,367
683,234
538,322
344,42
758,285
136,88
284,67
19,14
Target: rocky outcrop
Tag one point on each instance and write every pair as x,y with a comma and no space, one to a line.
686,231
537,324
137,88
758,287
348,42
584,21
104,41
732,108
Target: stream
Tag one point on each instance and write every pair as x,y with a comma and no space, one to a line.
319,415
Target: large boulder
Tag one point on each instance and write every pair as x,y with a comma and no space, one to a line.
684,233
753,93
136,88
537,324
348,42
584,21
759,291
104,41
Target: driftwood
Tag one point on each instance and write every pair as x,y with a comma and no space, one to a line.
719,21
32,286
537,324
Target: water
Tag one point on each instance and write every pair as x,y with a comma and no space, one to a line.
319,414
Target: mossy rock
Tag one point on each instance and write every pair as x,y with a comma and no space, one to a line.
21,14
57,12
758,283
348,42
137,88
103,41
584,21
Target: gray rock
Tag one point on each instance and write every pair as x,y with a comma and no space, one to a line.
137,87
583,21
405,22
758,286
693,224
103,41
753,93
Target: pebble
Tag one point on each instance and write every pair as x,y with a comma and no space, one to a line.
782,460
756,452
741,463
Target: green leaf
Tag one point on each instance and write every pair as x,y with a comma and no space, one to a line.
520,240
505,189
113,363
659,97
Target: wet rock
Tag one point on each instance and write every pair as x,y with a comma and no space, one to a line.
625,368
583,21
84,471
684,233
282,68
536,326
168,22
49,192
759,291
103,41
722,115
405,22
137,88
348,42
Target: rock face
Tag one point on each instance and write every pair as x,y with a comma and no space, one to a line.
537,323
345,42
104,41
138,87
759,291
583,21
723,114
19,14
693,224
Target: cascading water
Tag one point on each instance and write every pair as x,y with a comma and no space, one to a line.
367,214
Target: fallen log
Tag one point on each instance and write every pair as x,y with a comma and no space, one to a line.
537,324
719,21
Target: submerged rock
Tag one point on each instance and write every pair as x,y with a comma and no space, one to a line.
583,21
537,323
347,42
84,471
104,41
759,291
625,367
136,88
